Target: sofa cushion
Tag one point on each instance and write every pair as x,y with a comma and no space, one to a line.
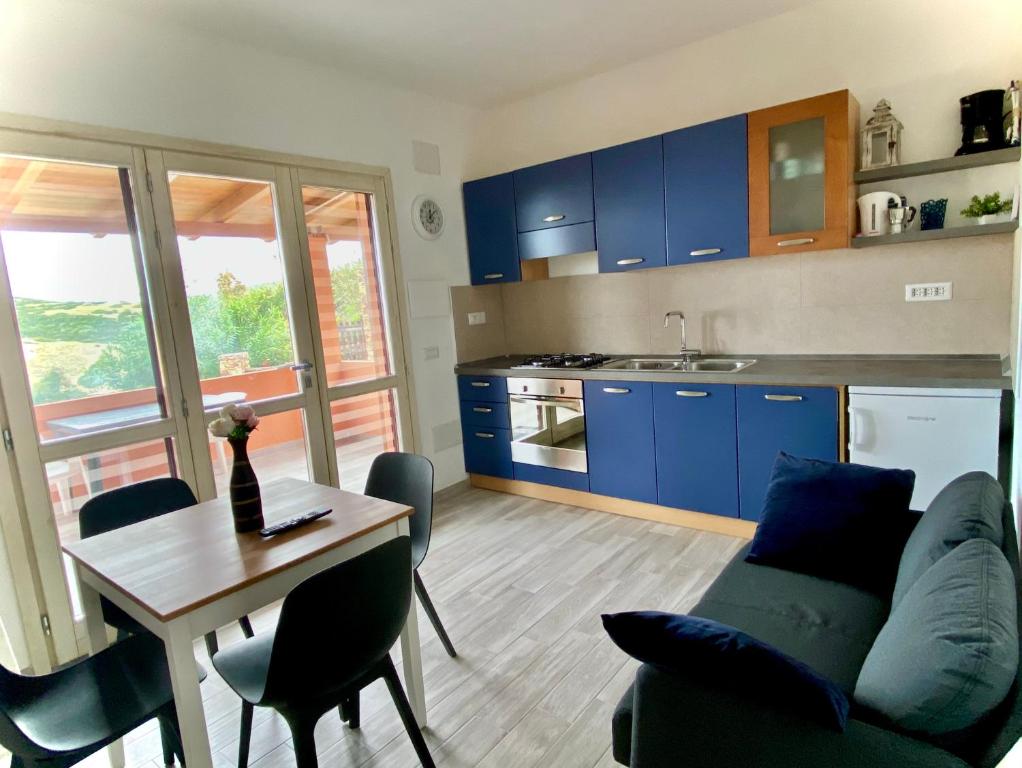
731,658
968,507
949,653
828,625
844,522
621,727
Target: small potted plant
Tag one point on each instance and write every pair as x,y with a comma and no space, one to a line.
236,423
989,209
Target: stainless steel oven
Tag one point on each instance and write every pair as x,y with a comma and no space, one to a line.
548,424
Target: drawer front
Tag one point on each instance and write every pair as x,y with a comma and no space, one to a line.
559,241
562,478
554,194
802,421
696,447
619,437
487,451
481,413
492,389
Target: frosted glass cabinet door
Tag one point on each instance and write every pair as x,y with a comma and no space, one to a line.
797,163
801,165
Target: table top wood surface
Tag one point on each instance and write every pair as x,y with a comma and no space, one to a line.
180,561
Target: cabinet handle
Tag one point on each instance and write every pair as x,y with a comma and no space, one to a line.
705,252
797,241
629,262
616,390
485,435
555,217
481,384
784,398
493,276
480,409
691,393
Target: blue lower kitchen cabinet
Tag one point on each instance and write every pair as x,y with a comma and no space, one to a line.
485,427
802,421
491,230
487,451
696,447
619,438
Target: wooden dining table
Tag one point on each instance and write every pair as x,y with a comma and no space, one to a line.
186,573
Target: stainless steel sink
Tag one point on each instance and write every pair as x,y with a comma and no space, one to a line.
681,365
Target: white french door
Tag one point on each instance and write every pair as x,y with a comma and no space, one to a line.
145,288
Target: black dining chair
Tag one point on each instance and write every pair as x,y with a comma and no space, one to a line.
59,719
407,478
333,638
133,504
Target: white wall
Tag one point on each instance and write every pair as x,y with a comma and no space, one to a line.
919,54
75,61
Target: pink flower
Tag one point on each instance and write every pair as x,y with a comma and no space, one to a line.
242,413
252,421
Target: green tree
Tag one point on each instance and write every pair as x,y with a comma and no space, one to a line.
349,289
124,364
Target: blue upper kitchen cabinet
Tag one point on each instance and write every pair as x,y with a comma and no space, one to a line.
554,208
619,439
628,184
706,174
802,421
696,447
491,230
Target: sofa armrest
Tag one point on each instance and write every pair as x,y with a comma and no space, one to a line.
683,720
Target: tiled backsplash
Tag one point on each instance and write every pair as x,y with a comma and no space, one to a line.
833,302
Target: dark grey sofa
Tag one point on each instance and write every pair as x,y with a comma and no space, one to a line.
671,719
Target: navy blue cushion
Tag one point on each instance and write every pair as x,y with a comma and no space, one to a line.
728,657
843,522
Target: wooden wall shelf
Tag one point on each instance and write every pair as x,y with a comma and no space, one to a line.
996,157
920,235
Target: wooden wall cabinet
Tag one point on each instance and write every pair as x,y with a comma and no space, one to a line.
801,166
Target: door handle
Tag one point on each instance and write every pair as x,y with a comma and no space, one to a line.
304,365
480,409
616,390
555,217
705,252
856,432
783,398
629,262
797,241
691,393
485,435
493,276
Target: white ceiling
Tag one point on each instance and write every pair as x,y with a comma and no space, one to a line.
478,52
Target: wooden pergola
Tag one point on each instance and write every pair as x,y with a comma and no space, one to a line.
47,196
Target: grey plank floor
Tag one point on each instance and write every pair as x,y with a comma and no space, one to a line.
520,585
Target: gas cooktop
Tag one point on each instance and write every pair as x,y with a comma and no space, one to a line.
564,360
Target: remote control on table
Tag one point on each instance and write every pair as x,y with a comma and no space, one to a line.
294,522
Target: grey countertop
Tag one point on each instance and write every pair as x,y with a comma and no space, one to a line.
946,371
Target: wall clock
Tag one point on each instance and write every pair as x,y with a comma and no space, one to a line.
428,217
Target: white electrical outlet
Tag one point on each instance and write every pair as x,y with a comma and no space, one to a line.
431,353
476,318
928,292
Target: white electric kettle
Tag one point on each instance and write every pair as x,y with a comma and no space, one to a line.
873,218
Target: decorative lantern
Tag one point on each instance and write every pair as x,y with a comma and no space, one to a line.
881,138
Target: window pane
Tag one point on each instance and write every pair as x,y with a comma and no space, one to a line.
364,427
76,480
346,274
276,449
76,277
234,280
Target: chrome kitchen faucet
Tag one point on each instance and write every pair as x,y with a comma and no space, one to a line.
685,351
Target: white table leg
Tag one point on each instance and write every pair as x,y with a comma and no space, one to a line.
411,653
97,642
184,677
